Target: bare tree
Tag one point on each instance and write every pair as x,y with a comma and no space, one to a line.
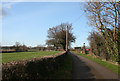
97,45
17,46
57,36
104,16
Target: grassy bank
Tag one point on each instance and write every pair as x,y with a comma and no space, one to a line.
109,66
65,72
8,57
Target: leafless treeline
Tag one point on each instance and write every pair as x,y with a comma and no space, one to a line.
105,17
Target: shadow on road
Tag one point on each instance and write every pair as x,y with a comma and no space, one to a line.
80,69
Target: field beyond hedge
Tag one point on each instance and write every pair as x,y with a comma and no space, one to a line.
8,57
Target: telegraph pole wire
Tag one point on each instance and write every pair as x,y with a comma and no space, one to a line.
67,30
78,18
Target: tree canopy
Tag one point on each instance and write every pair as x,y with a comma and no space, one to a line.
57,36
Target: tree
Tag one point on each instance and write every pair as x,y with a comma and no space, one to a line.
104,16
97,45
19,47
41,47
57,36
24,48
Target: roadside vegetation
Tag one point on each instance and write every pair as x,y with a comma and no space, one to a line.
8,57
65,72
105,39
112,67
58,67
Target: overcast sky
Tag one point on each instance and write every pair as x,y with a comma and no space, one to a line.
28,22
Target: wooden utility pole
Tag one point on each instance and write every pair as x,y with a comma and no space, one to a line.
66,38
119,33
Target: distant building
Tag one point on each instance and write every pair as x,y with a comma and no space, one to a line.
77,47
83,49
6,49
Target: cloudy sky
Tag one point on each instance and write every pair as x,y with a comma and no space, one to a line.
28,22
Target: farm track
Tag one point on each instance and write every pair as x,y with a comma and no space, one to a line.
84,68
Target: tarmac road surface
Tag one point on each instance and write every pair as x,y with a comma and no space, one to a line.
84,68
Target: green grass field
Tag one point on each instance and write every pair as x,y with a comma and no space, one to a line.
109,66
8,57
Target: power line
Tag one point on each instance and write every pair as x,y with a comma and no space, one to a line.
78,18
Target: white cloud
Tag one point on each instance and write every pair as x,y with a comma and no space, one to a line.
4,6
8,4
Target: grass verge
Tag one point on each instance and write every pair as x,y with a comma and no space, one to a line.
8,57
65,72
112,67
